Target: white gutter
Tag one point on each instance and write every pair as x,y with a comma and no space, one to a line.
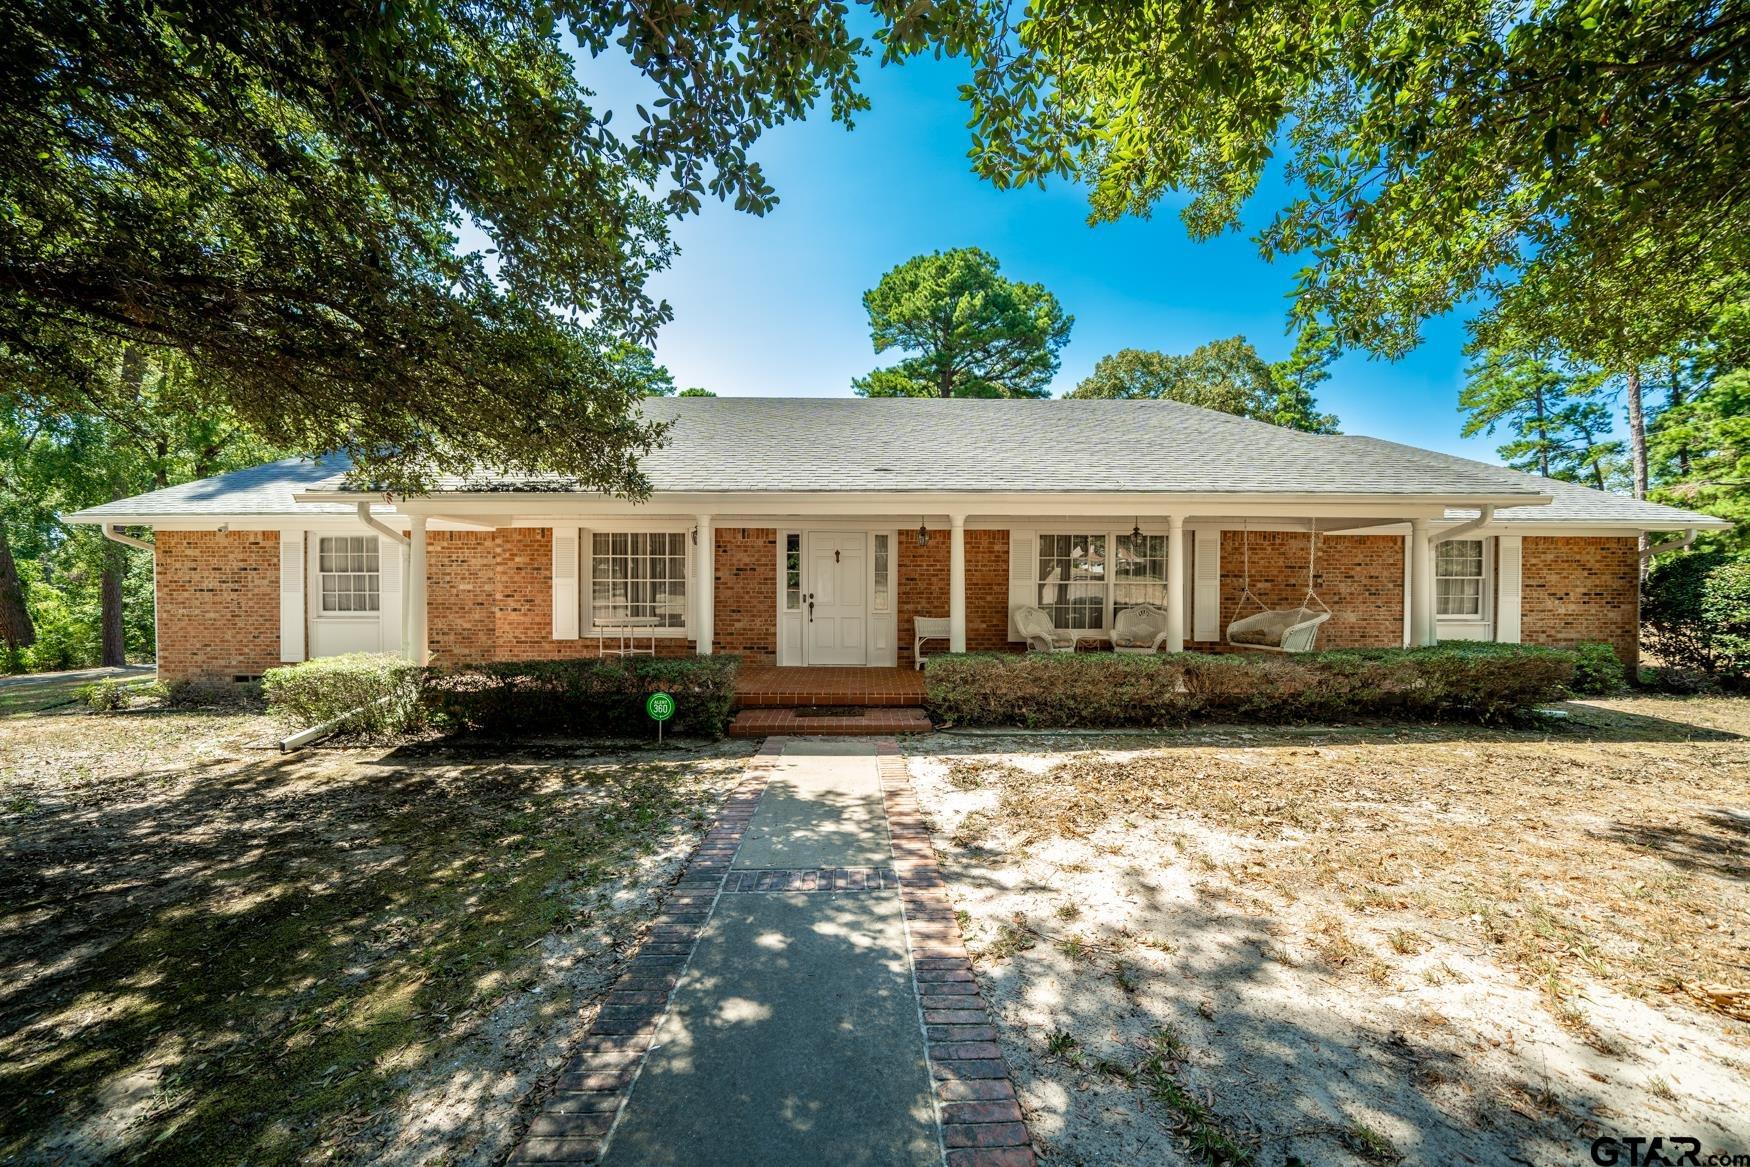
1669,545
379,526
1484,517
115,536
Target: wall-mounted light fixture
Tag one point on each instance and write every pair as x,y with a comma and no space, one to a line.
923,534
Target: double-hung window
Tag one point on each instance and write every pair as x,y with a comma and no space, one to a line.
1072,580
348,574
1084,579
1459,571
1139,572
638,579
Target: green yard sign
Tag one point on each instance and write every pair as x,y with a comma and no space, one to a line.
660,706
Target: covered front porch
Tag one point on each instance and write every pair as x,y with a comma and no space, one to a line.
833,607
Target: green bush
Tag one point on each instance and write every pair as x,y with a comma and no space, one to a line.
587,698
1598,671
1474,681
378,694
105,696
211,694
1696,608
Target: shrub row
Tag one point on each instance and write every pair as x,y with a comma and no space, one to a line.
587,698
382,694
1474,681
378,694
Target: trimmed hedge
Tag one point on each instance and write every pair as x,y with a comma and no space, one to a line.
587,698
1696,607
378,693
1473,681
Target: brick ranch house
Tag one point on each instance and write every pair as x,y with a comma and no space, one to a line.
813,532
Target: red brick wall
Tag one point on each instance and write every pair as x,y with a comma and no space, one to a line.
922,577
745,621
1577,589
1360,577
462,595
218,604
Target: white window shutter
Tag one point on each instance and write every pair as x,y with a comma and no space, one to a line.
1023,567
1508,576
1206,587
389,589
565,599
292,592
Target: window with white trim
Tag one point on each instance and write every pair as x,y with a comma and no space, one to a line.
638,579
1458,577
1139,574
882,560
1072,580
348,574
793,572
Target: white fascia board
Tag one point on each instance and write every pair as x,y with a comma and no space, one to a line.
898,503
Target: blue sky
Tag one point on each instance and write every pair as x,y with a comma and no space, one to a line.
772,305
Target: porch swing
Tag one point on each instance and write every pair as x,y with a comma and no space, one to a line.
1277,629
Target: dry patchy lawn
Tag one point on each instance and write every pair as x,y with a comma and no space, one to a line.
1441,945
210,953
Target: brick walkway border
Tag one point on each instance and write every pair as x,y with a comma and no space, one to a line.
982,1124
575,1120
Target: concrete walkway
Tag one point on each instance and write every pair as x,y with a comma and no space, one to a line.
805,999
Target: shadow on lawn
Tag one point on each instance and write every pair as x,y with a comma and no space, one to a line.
1202,1059
241,966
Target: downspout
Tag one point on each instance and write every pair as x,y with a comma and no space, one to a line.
1483,519
110,532
391,533
1669,545
378,525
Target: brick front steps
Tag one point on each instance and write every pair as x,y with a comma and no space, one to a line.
773,687
876,721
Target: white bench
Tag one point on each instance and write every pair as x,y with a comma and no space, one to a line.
926,628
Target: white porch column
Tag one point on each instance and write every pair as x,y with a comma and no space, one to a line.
1421,584
705,606
418,626
957,584
1175,583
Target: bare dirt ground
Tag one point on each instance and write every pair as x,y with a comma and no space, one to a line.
1441,945
212,953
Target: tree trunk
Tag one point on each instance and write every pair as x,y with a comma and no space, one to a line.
1677,398
1542,432
115,640
16,630
1637,433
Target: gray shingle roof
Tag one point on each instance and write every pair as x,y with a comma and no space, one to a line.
757,445
743,444
1572,503
257,491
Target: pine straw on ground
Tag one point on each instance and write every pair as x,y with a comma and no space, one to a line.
1597,847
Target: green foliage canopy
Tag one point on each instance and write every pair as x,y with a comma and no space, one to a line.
973,332
1592,148
1227,375
1556,419
277,191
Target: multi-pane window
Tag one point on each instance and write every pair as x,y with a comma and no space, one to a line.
348,573
1139,574
1072,580
638,579
881,572
1458,577
793,572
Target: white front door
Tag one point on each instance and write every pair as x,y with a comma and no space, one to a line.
835,607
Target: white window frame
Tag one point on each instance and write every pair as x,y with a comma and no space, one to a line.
1485,584
1108,581
362,545
587,626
